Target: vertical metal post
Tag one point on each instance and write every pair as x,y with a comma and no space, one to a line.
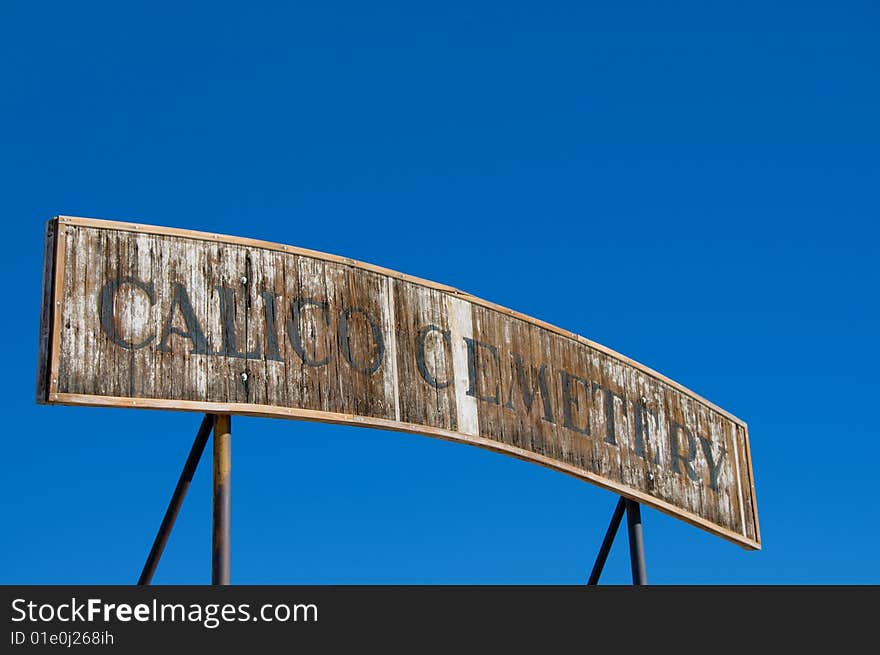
607,542
220,523
186,476
636,543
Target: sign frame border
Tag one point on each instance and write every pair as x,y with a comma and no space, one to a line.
49,355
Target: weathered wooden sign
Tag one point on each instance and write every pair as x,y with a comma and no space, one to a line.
153,317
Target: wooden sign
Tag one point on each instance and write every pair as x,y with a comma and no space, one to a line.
141,316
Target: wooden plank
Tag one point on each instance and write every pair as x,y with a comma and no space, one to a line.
72,324
485,375
308,317
47,312
424,354
549,439
633,469
461,328
265,288
142,323
520,393
55,343
753,530
161,318
363,326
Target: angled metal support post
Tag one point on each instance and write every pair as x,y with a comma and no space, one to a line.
186,476
636,542
606,543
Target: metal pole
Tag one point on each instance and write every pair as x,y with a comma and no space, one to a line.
606,543
220,524
186,476
636,543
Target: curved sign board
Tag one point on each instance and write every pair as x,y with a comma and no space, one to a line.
153,317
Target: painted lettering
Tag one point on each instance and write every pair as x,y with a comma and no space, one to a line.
270,320
295,334
345,345
422,365
180,303
714,466
570,401
473,360
642,419
529,389
529,384
608,402
676,458
227,326
107,307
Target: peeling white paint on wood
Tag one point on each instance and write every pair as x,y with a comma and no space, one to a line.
461,327
392,382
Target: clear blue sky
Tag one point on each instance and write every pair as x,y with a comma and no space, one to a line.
693,184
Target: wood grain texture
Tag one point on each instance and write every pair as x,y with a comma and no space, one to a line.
141,316
47,313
